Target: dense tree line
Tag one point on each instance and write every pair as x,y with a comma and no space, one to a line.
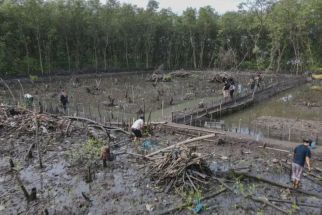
43,37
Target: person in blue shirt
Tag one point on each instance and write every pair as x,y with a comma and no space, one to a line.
302,155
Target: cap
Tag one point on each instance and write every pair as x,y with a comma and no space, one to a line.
307,140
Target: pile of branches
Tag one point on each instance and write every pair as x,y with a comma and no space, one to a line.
13,119
180,169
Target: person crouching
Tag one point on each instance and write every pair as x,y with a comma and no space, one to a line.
137,128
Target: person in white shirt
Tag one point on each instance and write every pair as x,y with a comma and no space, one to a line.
137,128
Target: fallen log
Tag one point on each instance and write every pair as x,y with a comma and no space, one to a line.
274,149
138,155
209,196
291,202
257,199
256,177
182,143
103,127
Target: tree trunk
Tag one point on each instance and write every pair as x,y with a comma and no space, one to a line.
202,47
68,54
279,58
105,53
193,50
27,54
169,54
39,51
95,55
126,53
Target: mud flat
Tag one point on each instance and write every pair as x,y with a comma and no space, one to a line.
72,180
289,128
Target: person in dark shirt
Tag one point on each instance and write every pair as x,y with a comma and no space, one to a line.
64,99
302,155
231,88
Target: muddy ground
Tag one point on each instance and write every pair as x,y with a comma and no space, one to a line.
120,97
287,128
123,187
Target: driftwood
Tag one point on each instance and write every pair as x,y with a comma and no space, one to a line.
257,199
180,207
182,143
256,177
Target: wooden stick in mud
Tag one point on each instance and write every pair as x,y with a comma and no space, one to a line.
24,190
209,196
29,152
182,143
274,149
257,199
38,144
67,128
139,155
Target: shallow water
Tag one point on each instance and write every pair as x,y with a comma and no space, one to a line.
285,105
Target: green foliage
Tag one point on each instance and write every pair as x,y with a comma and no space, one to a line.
190,197
33,78
316,69
89,152
41,37
293,208
240,188
167,78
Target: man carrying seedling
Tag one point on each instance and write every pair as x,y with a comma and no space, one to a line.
302,155
137,128
64,99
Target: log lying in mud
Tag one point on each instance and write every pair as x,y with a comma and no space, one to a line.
291,202
274,183
180,207
95,124
257,199
182,143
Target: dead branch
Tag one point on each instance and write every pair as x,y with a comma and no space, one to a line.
182,143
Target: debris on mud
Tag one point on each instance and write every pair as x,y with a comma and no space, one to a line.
180,169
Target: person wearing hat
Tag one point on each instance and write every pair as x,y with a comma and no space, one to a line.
302,155
137,128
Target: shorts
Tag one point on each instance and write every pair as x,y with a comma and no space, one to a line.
297,171
137,132
226,93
